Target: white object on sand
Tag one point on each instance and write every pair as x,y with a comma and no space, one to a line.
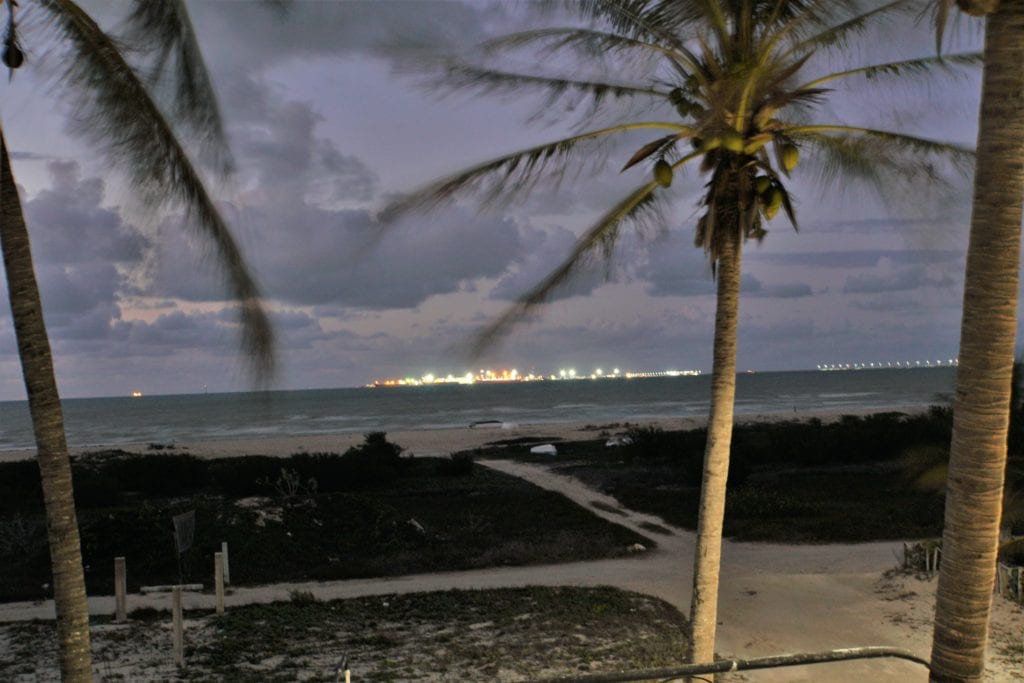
544,449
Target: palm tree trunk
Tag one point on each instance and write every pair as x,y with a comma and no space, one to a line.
707,556
48,424
981,409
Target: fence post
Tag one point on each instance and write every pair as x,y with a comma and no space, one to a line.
227,566
120,590
177,628
218,580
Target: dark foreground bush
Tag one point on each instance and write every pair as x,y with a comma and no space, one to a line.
456,465
684,451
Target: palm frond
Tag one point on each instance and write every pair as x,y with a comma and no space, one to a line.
635,18
591,40
469,77
889,163
925,66
640,207
162,31
516,173
836,37
659,146
940,17
114,111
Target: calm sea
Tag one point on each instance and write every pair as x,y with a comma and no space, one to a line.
165,419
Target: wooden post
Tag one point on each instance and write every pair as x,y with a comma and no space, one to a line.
218,580
120,590
1020,585
935,560
177,628
999,578
227,566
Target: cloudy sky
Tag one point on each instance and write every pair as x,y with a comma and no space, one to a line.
331,111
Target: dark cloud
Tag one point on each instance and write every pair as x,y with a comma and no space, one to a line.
673,267
310,256
69,225
247,33
285,158
83,254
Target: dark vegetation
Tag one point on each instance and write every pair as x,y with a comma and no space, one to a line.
855,479
452,635
367,512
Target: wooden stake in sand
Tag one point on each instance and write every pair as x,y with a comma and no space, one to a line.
120,590
227,568
218,580
177,628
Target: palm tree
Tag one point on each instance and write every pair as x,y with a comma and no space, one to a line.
741,80
977,461
116,111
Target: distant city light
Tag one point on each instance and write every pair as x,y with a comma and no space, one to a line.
484,375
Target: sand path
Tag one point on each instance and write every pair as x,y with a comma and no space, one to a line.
773,598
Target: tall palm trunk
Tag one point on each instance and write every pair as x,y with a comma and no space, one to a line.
707,557
48,424
981,409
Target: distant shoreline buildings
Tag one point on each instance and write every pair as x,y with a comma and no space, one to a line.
504,376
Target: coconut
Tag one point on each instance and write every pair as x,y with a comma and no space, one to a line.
761,184
663,173
790,157
13,57
772,200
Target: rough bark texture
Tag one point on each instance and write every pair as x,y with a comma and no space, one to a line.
981,409
48,424
707,556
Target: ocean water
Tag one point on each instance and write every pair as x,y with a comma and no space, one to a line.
193,417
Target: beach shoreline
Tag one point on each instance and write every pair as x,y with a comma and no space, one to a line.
442,441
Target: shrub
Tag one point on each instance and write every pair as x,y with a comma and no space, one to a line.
157,475
455,465
299,597
20,486
1012,553
96,488
242,476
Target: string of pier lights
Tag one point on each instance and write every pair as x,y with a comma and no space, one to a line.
894,365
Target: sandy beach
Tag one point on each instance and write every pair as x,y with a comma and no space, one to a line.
435,442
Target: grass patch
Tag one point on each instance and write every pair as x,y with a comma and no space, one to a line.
508,634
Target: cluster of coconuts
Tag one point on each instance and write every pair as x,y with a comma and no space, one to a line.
767,190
